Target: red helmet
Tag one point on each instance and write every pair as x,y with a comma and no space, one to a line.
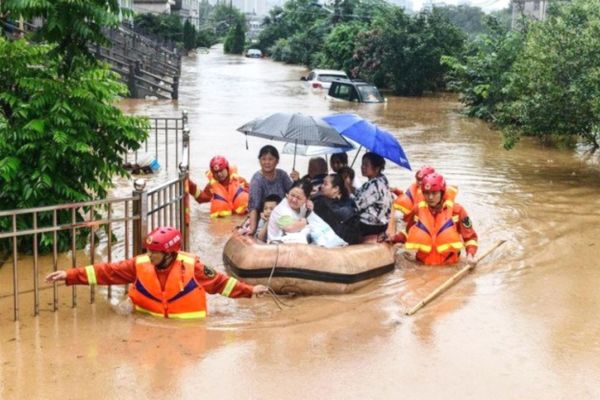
423,172
165,239
433,183
218,163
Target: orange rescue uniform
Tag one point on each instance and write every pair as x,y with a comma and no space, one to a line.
178,291
226,198
439,235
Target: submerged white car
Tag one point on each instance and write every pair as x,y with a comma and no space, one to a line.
322,78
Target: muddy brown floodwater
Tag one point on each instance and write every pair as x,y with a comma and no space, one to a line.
525,325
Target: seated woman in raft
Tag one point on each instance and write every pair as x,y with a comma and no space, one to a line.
287,222
373,199
337,209
267,181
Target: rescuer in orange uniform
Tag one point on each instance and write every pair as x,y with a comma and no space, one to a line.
166,282
413,195
226,190
437,227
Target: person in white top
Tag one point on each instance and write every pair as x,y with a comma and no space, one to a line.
288,222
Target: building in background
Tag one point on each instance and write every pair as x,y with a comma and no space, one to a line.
528,8
153,6
188,10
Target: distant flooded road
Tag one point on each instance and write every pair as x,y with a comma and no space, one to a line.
524,325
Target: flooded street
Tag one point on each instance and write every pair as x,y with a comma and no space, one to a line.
523,325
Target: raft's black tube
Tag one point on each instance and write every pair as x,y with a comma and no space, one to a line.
307,273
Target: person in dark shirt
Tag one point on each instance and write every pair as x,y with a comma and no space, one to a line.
336,208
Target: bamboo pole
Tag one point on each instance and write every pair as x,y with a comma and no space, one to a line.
452,280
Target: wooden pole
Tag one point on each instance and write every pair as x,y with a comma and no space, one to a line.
455,278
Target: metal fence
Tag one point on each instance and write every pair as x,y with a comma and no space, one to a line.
90,231
165,141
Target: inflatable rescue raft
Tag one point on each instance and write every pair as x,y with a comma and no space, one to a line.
306,269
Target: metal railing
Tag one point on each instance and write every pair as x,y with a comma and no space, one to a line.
93,230
166,138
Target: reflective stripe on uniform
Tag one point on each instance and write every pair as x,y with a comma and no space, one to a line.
455,218
404,210
91,275
418,246
220,214
471,243
454,245
143,310
142,259
186,258
188,315
231,282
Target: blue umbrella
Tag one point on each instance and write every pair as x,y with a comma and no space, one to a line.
370,136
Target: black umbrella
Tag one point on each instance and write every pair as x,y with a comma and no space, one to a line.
295,128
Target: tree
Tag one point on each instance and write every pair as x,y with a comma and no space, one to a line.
468,18
235,40
71,25
291,25
62,137
189,36
483,73
404,52
164,26
556,81
339,47
205,38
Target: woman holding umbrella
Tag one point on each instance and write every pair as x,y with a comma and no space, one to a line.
268,180
373,199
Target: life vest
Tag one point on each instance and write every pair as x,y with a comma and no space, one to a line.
435,238
406,202
232,198
182,296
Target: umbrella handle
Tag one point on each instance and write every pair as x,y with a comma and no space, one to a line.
356,156
295,148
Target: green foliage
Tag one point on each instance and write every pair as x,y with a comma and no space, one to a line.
405,52
235,40
205,38
484,72
556,85
298,23
543,82
302,47
61,136
189,36
339,46
165,26
224,18
71,25
468,18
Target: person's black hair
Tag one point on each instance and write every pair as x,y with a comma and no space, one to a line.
268,149
272,197
376,160
341,157
346,171
305,186
338,181
317,166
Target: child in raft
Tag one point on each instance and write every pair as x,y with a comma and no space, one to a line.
268,205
